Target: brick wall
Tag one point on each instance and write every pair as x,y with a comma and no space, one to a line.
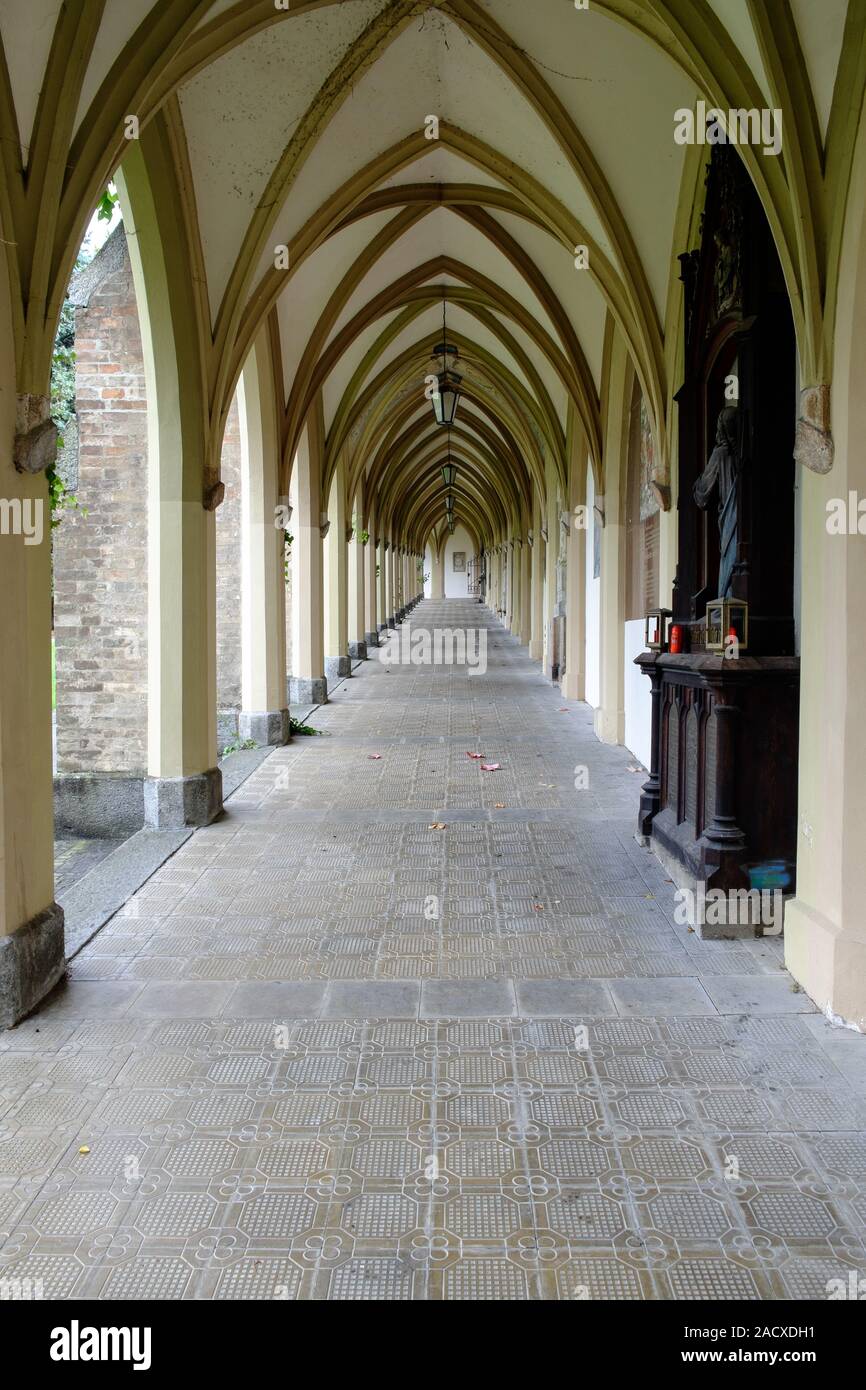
100,560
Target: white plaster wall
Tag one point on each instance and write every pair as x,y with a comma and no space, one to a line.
593,601
638,703
457,585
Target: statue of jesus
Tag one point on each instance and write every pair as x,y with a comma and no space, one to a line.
722,471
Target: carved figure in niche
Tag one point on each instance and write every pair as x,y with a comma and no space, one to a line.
722,472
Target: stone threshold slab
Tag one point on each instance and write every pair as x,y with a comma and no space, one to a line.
93,900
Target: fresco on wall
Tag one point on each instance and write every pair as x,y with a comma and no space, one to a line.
648,499
459,561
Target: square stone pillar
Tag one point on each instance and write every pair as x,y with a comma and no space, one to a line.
574,683
264,717
338,663
31,923
183,786
610,715
552,552
536,584
371,589
308,684
357,615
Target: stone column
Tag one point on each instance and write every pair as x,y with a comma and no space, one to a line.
509,567
308,685
825,925
437,573
610,715
31,923
338,663
551,560
184,787
265,715
525,552
574,684
357,614
371,608
536,558
382,562
391,575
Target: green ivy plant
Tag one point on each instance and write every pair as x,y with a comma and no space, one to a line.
287,553
106,205
61,497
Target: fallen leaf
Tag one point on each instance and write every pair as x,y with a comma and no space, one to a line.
475,755
375,757
490,767
539,907
84,1149
437,825
564,710
499,806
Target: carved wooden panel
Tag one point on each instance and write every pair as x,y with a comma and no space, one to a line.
691,767
710,765
672,780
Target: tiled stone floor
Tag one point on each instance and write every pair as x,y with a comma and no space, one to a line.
329,1051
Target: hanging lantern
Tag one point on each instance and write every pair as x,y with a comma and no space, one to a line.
449,473
449,504
446,396
444,399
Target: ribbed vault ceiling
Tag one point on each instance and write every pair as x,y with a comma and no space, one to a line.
305,127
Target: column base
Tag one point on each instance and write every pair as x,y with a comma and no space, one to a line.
371,639
358,651
170,803
268,728
609,725
32,960
308,690
574,685
337,668
828,960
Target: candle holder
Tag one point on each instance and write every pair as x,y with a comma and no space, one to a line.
727,619
657,629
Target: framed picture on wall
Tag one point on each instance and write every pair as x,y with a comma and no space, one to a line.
459,561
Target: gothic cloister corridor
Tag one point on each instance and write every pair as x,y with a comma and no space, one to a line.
395,1027
432,676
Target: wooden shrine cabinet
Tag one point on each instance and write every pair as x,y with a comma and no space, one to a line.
720,805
